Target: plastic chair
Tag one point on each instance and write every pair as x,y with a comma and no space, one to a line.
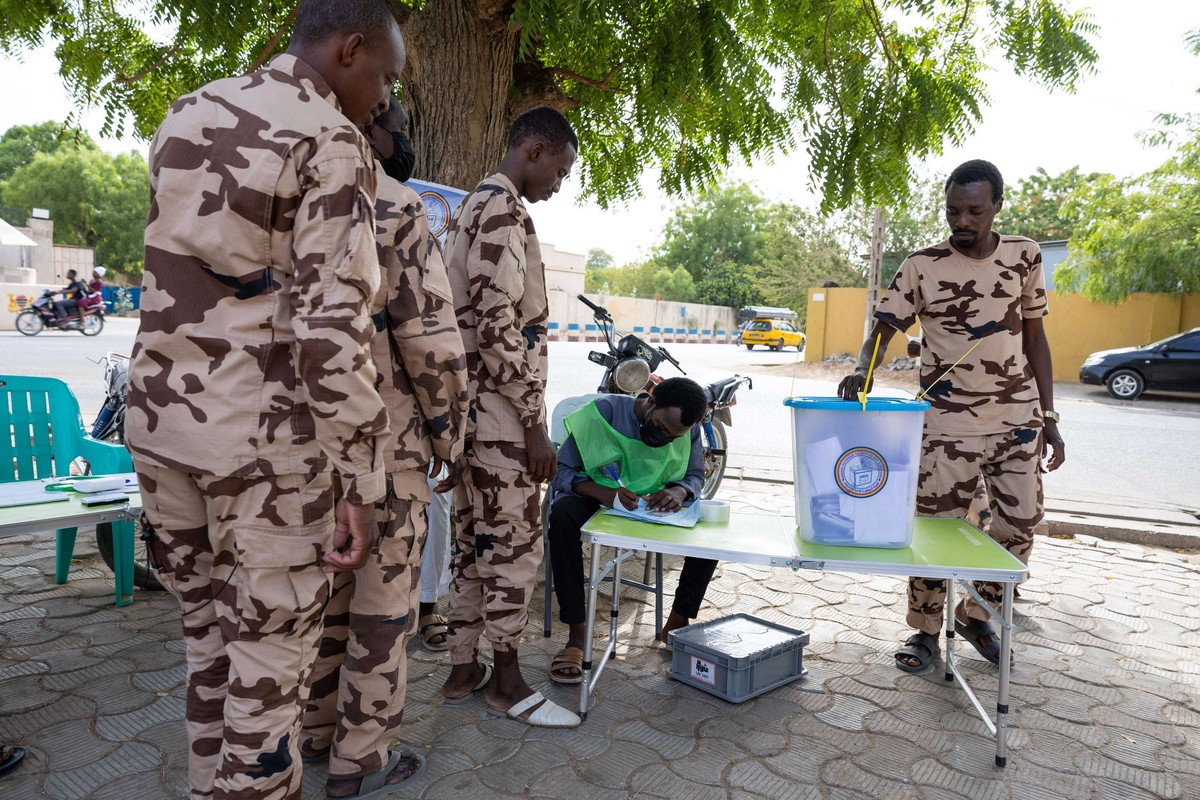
41,433
558,435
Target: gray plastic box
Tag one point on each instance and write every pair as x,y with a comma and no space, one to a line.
737,657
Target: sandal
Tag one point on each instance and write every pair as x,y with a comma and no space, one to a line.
10,757
545,714
975,632
435,633
375,784
920,647
567,659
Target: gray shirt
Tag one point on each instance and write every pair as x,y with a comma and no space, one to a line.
617,410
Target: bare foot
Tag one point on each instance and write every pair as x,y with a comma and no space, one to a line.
463,679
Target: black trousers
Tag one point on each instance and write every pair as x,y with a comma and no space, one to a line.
567,516
65,307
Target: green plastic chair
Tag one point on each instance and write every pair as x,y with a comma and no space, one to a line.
41,433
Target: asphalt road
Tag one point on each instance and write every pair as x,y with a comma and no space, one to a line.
1140,454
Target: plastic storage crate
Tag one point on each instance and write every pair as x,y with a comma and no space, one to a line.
737,657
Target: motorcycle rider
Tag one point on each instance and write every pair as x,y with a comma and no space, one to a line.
93,296
72,292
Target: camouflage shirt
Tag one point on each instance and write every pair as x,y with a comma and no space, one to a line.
422,368
962,303
253,353
496,273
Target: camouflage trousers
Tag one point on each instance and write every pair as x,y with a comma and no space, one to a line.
242,555
951,467
498,530
360,678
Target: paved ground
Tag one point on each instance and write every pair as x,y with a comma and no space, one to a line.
1105,694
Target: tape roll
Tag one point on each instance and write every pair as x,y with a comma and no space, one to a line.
714,511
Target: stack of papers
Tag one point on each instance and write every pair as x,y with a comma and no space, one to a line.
685,517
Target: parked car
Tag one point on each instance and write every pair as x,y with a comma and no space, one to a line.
1172,365
773,333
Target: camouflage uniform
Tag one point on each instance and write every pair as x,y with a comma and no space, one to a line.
359,680
251,398
496,273
985,416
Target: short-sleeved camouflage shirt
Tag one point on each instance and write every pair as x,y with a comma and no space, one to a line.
963,303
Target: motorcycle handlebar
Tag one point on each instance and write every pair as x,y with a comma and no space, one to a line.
671,358
599,310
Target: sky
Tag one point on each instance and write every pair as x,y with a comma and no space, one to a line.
1144,69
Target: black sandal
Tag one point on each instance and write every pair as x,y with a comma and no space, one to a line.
975,632
922,648
10,756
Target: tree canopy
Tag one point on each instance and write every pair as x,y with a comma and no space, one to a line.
95,199
1038,207
681,87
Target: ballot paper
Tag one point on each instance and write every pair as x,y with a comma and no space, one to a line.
875,520
685,517
820,458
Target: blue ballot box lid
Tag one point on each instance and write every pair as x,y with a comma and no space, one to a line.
873,404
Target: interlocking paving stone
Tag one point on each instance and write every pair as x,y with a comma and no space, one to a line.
128,759
119,727
1099,659
758,782
848,775
1154,780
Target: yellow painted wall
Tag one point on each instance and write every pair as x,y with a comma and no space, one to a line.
1076,327
835,325
1189,317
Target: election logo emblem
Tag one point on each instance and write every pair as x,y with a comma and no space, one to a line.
861,472
437,210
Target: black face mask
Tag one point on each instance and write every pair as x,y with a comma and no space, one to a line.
400,165
652,435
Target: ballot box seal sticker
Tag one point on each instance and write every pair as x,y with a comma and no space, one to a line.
861,472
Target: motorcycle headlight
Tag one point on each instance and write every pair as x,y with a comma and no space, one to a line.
631,375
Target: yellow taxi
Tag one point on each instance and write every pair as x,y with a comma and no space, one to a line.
773,333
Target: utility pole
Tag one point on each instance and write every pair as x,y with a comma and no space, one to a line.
874,270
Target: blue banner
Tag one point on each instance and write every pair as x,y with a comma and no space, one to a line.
440,203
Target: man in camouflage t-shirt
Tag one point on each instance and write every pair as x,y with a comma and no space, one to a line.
499,285
980,296
251,388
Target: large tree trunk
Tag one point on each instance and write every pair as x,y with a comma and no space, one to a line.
463,87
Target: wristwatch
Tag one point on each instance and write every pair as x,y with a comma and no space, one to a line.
1051,415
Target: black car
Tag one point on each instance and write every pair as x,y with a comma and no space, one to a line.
1172,365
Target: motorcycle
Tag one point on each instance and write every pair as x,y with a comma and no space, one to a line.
629,368
110,427
110,422
41,316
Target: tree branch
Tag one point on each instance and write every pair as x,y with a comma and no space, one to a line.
123,79
603,85
829,69
877,24
271,45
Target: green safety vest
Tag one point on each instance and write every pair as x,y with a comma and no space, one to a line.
643,469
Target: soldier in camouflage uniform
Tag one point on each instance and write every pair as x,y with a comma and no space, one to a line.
496,274
360,680
993,415
252,403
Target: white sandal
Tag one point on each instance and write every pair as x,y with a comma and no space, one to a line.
548,715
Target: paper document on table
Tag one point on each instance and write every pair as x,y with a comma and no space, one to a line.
26,494
686,517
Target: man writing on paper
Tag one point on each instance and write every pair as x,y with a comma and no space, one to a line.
980,298
648,440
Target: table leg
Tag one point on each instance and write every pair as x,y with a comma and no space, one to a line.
950,629
1006,612
658,595
593,590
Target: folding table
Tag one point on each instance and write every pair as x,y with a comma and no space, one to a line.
69,513
941,548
